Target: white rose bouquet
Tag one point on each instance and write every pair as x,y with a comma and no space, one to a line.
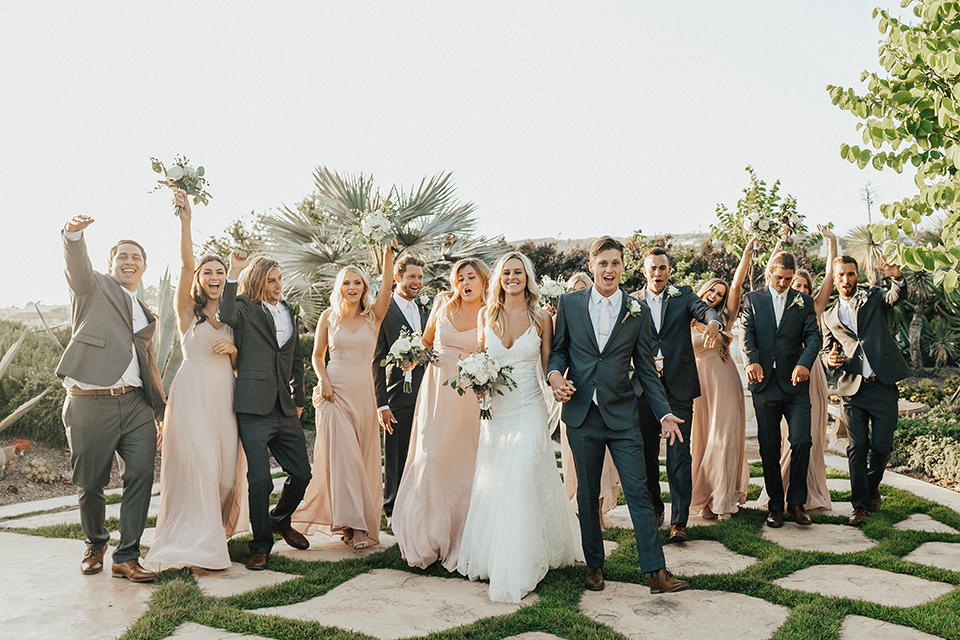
184,177
375,227
483,375
755,224
551,290
408,352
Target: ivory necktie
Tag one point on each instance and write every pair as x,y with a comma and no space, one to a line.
603,331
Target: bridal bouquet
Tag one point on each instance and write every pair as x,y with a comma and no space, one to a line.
184,177
408,352
551,290
480,373
789,218
375,227
755,224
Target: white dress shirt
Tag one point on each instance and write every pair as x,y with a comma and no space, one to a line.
282,321
410,311
779,303
847,313
655,302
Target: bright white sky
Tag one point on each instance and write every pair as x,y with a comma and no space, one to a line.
558,118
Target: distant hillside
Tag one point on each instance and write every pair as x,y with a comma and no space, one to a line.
564,244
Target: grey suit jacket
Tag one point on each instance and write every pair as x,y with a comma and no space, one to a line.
873,339
102,342
575,352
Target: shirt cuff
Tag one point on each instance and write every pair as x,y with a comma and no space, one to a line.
229,281
386,406
899,282
73,236
668,415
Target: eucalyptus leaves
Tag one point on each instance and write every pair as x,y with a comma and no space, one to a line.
184,177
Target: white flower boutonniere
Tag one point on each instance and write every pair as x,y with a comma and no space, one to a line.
672,291
634,309
861,296
424,301
797,302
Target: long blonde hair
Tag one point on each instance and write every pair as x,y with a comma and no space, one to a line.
449,301
253,280
496,314
338,306
725,336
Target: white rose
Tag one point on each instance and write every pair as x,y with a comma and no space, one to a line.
747,225
403,344
754,217
764,225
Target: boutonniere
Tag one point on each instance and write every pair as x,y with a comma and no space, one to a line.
672,291
295,311
424,301
797,302
861,296
634,309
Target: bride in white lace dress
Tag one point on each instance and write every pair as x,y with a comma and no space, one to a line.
520,523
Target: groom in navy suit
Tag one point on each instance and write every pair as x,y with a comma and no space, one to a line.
600,331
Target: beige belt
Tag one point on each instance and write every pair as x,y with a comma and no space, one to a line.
100,393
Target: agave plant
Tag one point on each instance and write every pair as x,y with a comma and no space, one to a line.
943,343
166,341
20,411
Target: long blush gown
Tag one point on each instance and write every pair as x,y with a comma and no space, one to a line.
346,488
434,495
199,498
718,434
520,523
818,496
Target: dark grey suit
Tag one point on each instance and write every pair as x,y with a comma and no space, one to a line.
612,422
681,384
388,383
98,426
778,350
268,392
867,400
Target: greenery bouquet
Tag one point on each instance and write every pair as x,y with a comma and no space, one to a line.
184,177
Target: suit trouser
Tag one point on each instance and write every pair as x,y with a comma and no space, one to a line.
679,460
283,436
588,443
97,427
773,403
875,403
395,456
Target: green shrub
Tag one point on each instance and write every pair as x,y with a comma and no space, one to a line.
937,457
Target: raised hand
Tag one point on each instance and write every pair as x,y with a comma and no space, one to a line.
826,232
78,223
784,231
890,270
752,245
800,374
835,358
238,262
182,202
754,373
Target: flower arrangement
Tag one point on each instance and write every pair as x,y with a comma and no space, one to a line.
184,177
483,375
407,352
551,290
375,226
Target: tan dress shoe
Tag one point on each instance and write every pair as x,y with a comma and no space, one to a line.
799,515
594,579
665,582
857,517
257,562
92,561
775,519
132,571
678,533
294,538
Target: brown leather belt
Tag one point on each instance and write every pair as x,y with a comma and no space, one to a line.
100,393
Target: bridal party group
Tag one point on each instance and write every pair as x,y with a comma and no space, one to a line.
616,372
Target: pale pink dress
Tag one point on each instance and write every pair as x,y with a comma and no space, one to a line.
201,504
434,495
718,434
346,488
818,496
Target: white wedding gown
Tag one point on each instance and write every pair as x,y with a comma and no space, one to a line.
520,523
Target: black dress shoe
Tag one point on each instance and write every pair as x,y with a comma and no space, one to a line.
593,581
799,514
874,501
856,519
775,519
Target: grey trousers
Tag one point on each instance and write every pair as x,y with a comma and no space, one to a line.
97,428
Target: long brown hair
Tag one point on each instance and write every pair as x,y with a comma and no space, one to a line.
199,296
449,301
253,280
496,311
723,312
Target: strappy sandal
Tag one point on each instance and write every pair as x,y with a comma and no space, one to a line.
360,546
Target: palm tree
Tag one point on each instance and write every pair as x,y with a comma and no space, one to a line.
860,244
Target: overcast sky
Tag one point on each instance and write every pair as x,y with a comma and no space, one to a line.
557,118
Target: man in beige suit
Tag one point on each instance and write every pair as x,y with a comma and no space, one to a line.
114,396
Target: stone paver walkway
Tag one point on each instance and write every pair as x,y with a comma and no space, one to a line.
700,557
923,522
331,548
943,555
862,628
863,583
191,631
833,538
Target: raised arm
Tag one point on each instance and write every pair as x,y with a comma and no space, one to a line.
382,304
897,292
430,331
481,325
736,287
227,305
80,276
184,301
826,287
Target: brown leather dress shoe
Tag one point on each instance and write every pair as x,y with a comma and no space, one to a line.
874,501
677,533
799,515
857,517
92,561
257,562
132,571
775,519
294,538
664,581
593,581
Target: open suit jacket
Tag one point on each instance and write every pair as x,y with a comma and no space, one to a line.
102,343
576,353
266,372
388,381
872,339
796,341
679,363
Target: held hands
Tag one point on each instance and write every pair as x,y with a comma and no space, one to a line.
754,373
890,270
670,428
386,419
181,200
562,388
238,262
800,374
159,435
835,358
78,223
223,348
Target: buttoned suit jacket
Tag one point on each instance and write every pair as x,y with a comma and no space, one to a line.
388,381
872,338
102,341
266,372
796,341
576,354
679,362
